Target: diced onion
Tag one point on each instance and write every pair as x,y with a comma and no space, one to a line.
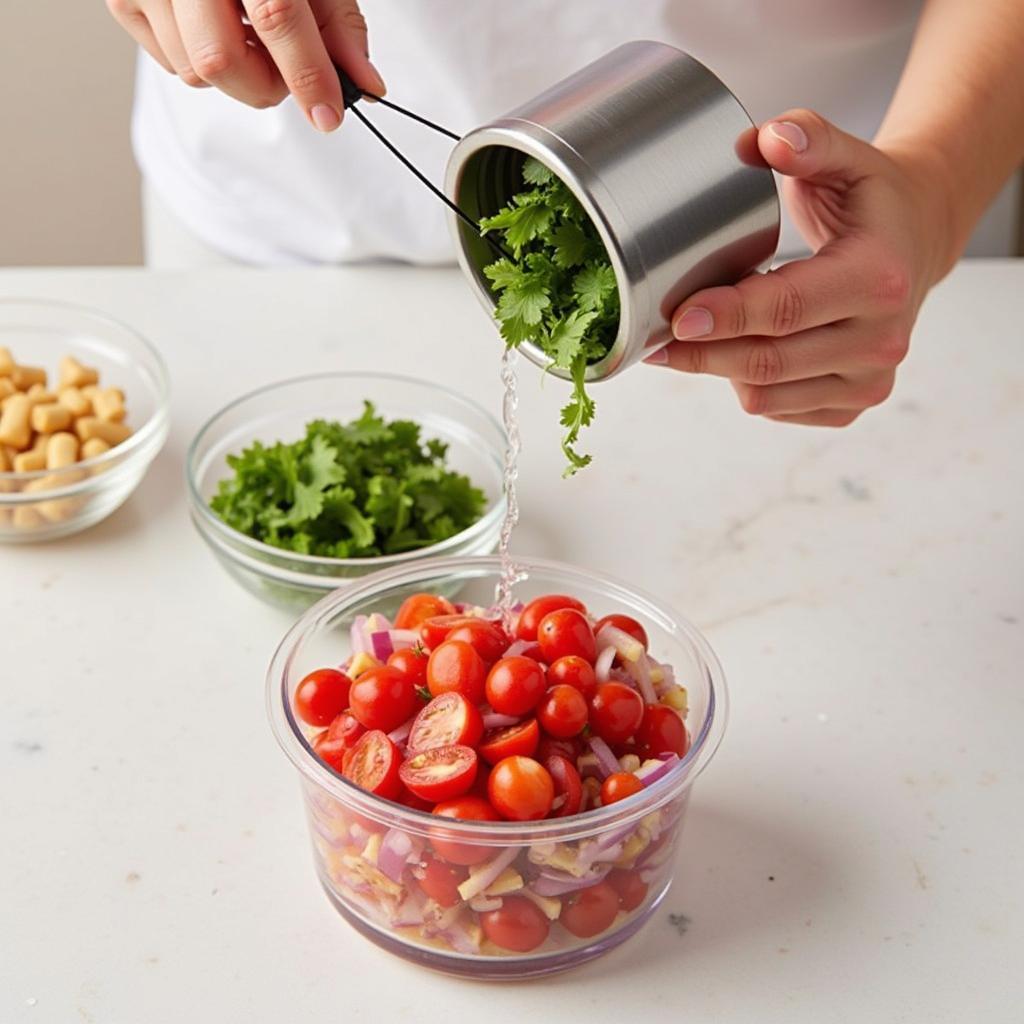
607,761
493,720
650,771
482,904
401,734
487,873
604,663
628,646
394,850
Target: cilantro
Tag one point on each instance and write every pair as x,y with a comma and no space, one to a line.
348,490
558,290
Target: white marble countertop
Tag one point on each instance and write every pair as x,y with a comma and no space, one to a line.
852,854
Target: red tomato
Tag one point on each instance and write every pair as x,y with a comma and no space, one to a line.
632,889
627,624
590,911
515,685
446,720
510,739
408,799
618,786
434,631
464,808
518,925
549,746
566,632
483,773
440,773
488,639
661,732
616,712
573,671
322,696
568,786
521,789
411,662
373,764
455,666
342,735
383,698
418,607
441,881
563,711
529,618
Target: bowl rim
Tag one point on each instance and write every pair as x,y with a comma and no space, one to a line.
208,522
289,734
141,439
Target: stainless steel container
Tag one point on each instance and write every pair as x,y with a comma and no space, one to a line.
664,160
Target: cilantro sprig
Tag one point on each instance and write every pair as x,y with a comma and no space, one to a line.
348,490
558,290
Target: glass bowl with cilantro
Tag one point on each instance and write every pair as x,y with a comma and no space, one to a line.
302,485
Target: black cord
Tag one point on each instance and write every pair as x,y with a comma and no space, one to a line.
414,116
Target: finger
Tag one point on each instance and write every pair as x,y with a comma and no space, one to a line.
829,392
215,40
345,32
165,28
289,31
135,23
820,417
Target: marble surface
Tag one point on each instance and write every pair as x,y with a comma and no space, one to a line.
851,855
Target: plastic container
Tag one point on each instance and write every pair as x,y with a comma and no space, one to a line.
349,826
46,504
280,412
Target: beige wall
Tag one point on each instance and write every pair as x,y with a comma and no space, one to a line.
68,184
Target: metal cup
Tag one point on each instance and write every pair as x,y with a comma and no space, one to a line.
663,158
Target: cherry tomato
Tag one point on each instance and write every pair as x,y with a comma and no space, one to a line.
488,639
441,881
515,685
661,732
618,786
627,624
521,789
455,666
562,711
383,698
616,712
440,773
549,746
322,696
373,764
417,803
418,607
483,773
498,744
566,632
568,786
411,662
518,924
342,735
434,631
446,720
464,808
574,671
632,889
529,618
589,911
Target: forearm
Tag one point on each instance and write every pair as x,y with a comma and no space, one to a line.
958,113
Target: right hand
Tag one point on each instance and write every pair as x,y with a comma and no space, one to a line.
282,47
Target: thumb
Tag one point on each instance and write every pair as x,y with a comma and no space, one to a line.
802,144
345,35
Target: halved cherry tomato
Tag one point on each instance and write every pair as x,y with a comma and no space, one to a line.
488,639
568,787
521,789
566,632
589,911
456,667
515,685
572,670
509,740
562,711
632,889
464,808
616,712
618,786
518,924
342,735
570,748
383,698
418,608
440,773
529,618
417,803
441,881
627,624
447,720
412,662
661,732
373,764
434,631
322,696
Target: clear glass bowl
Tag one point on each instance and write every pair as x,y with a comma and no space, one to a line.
280,412
45,504
349,826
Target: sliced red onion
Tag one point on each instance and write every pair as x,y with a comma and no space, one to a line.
394,849
557,883
544,902
487,873
493,720
588,766
360,836
616,836
527,648
410,912
613,852
482,904
401,734
607,761
655,855
668,677
381,646
361,636
649,773
641,672
618,675
328,835
604,663
628,646
460,940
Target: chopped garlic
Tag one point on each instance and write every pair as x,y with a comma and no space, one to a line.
360,663
508,881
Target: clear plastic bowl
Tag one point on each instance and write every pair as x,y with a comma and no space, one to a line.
280,412
641,831
50,503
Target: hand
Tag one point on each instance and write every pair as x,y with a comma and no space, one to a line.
818,340
282,47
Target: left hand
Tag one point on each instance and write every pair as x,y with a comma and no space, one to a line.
818,340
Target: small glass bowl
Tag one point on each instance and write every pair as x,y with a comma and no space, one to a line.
350,827
50,503
280,412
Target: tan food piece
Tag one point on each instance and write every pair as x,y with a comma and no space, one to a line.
57,509
90,391
25,376
5,517
5,462
109,404
15,429
38,395
88,427
61,450
73,399
31,461
27,518
93,447
50,417
7,387
74,374
7,363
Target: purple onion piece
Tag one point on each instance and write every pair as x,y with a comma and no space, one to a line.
557,883
606,760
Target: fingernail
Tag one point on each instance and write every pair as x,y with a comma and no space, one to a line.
325,117
379,87
694,323
659,358
791,134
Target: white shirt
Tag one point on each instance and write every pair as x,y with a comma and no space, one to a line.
264,187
